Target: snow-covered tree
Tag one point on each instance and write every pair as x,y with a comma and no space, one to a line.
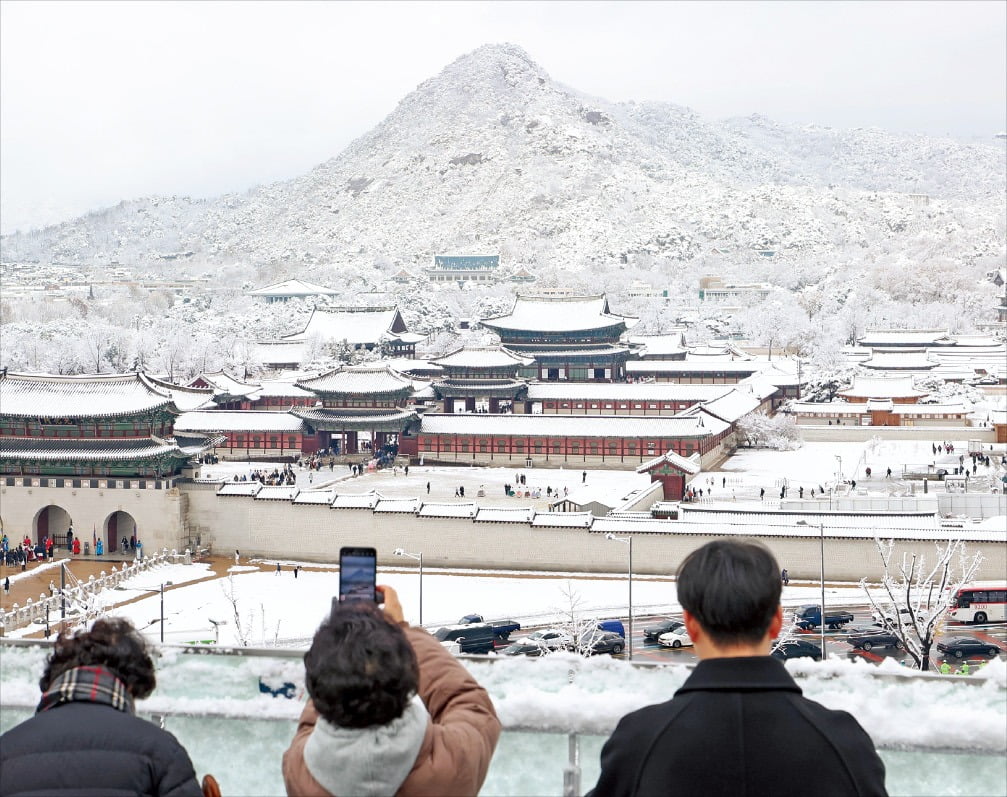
916,596
779,432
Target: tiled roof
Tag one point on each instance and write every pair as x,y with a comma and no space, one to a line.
882,387
314,497
275,387
624,391
562,520
186,399
238,421
239,488
407,505
689,465
359,380
733,405
660,345
901,359
558,314
448,510
20,448
357,500
281,351
225,384
888,337
293,287
355,325
102,395
277,493
493,515
349,420
482,357
652,426
695,366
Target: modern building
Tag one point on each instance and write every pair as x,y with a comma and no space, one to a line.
464,268
291,289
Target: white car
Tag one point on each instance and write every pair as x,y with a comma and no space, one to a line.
676,639
887,618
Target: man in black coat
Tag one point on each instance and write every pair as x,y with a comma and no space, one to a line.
739,725
85,738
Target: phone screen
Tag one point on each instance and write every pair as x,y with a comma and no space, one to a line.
358,569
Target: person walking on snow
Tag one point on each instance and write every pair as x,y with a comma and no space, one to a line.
278,569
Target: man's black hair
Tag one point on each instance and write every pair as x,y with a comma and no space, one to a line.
732,588
112,642
361,670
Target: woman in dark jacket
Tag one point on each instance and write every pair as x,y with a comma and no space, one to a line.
85,737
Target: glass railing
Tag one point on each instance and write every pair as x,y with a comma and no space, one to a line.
557,713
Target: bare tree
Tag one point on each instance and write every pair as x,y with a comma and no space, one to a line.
916,598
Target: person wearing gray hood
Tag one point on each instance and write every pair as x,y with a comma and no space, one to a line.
390,711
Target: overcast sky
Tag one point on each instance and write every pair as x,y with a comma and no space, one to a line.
107,101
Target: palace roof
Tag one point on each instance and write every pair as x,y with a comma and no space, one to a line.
660,345
882,387
242,421
359,380
347,419
358,326
281,388
644,427
688,465
101,395
293,288
226,386
482,357
624,391
731,406
902,359
272,352
53,450
558,314
186,398
904,337
704,366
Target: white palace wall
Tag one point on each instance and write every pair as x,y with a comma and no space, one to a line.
279,529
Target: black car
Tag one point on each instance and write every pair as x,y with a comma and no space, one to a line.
652,632
603,642
965,646
873,636
796,649
524,649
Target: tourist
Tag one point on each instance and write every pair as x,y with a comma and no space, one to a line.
86,725
278,569
390,711
729,591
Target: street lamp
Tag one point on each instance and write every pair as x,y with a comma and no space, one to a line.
840,469
821,617
629,574
419,558
159,590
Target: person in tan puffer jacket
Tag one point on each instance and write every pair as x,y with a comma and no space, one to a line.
390,711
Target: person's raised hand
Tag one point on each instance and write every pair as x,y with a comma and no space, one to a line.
391,604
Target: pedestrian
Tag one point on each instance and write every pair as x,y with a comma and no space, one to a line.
6,586
406,470
724,483
762,493
800,491
888,473
428,488
730,592
583,477
278,569
297,569
390,711
461,491
237,556
456,492
86,721
785,577
853,485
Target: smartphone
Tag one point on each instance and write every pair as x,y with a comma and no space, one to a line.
358,572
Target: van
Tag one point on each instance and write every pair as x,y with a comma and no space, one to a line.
470,638
615,626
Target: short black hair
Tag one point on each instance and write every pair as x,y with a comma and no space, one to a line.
360,670
113,643
732,587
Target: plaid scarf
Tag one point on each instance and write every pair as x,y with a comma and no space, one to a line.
91,684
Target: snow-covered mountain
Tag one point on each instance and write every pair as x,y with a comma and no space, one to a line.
492,155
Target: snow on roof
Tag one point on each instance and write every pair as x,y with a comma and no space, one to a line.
367,500
359,379
950,408
405,365
424,392
314,497
659,345
882,387
280,351
494,515
355,325
904,337
238,421
110,450
239,488
900,359
282,388
645,427
746,367
408,505
622,525
608,495
100,395
483,357
448,510
225,384
624,391
734,405
187,398
558,314
293,287
277,493
562,520
690,465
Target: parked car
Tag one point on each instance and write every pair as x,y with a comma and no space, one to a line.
501,628
810,616
602,642
539,643
675,639
524,647
872,636
796,649
887,617
965,646
652,632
